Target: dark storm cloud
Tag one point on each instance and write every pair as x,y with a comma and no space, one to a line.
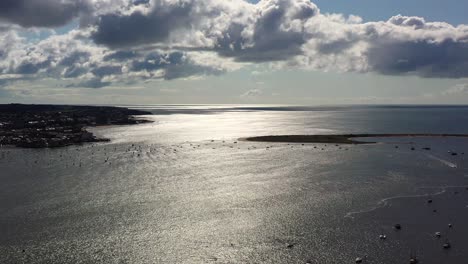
40,13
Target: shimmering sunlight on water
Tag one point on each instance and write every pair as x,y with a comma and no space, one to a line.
185,190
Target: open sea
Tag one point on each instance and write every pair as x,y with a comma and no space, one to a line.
185,189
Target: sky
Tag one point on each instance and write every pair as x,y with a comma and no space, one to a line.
234,52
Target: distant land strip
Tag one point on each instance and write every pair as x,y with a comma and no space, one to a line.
51,126
337,139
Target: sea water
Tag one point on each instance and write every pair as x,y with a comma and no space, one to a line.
185,189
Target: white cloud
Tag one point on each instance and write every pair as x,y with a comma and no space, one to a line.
252,93
125,42
457,89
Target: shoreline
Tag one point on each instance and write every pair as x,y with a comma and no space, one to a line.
338,139
55,126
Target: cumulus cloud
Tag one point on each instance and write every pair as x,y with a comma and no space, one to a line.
252,93
77,62
409,45
274,31
457,89
295,33
133,40
143,25
425,58
40,13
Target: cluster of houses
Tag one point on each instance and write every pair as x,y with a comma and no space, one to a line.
39,127
45,130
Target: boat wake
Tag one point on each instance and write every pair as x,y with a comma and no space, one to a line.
445,162
384,202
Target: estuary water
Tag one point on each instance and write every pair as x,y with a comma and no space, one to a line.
185,189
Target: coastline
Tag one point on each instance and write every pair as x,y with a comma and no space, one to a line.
53,126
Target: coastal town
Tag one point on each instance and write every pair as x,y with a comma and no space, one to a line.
48,126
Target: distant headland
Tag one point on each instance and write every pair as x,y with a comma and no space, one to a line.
47,126
338,139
